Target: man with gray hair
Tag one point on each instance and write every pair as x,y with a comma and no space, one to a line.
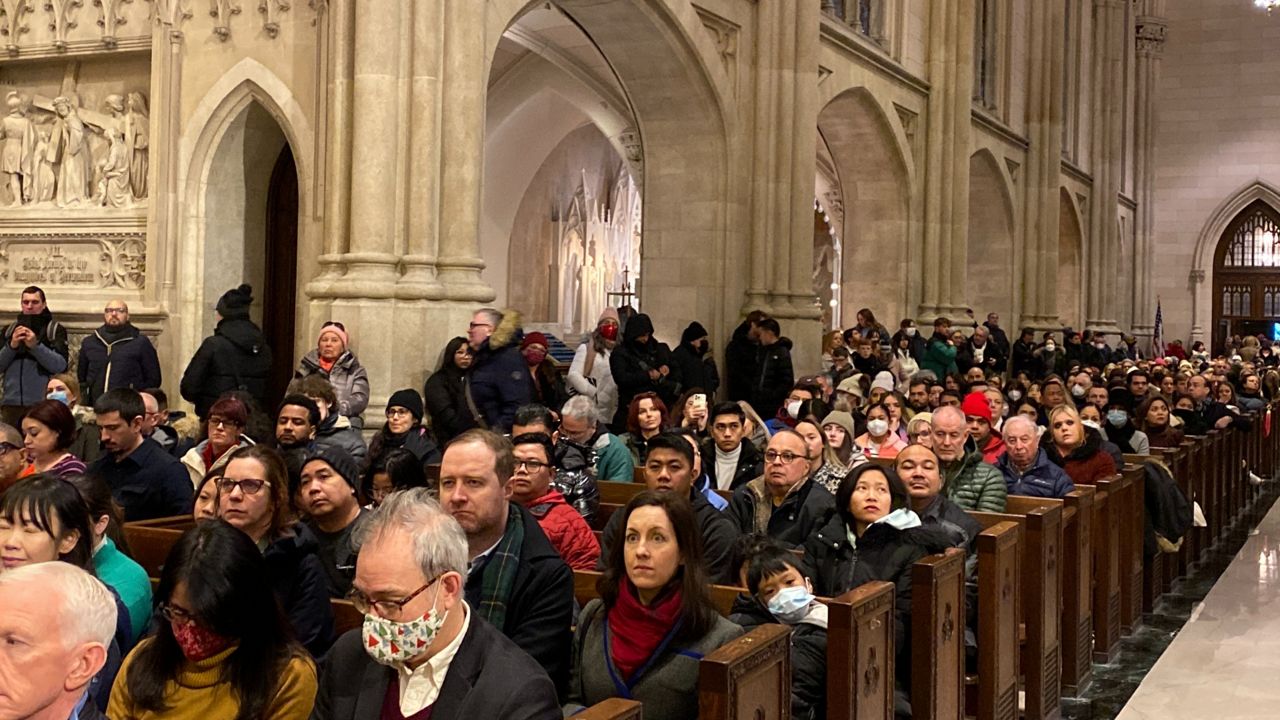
967,480
423,648
59,622
580,426
1026,468
498,381
12,457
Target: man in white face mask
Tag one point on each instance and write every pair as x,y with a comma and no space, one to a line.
419,631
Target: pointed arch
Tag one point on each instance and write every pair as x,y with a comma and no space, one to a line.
1224,214
990,271
1070,274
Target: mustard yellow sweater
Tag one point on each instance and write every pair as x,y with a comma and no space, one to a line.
198,693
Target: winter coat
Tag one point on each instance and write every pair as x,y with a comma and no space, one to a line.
993,448
993,357
446,398
667,685
999,337
336,431
1023,359
234,357
915,344
297,576
193,460
568,533
111,359
889,449
775,378
973,484
741,364
347,376
750,465
548,386
540,607
696,369
630,364
808,654
1042,479
1086,464
718,537
597,384
790,523
27,370
86,444
498,380
939,356
416,440
1168,437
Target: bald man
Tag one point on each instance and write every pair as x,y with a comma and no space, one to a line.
968,481
116,355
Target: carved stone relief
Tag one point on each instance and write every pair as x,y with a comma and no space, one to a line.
110,19
62,19
724,35
12,25
271,10
96,261
221,12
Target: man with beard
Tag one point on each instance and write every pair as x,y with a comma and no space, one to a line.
116,355
34,350
296,422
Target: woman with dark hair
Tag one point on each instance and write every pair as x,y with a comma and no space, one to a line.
86,445
253,496
643,637
48,430
1153,417
880,441
396,469
646,418
111,557
44,519
206,503
222,649
874,535
224,430
446,395
404,429
691,413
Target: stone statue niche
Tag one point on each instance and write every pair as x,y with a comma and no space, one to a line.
56,154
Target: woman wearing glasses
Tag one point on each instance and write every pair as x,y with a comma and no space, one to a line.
641,639
225,433
333,360
253,496
404,429
221,649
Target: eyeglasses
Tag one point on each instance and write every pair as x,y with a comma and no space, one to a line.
6,448
531,465
786,457
115,311
173,613
388,609
475,325
219,422
248,486
397,412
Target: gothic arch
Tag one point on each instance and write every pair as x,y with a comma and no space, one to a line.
1070,274
990,270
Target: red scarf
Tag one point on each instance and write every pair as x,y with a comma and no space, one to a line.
636,630
327,365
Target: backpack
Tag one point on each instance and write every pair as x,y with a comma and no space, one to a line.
1168,512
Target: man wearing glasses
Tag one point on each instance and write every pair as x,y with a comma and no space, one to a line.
116,355
498,381
784,503
12,457
145,480
568,532
409,584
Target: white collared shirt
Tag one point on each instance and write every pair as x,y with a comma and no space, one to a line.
420,687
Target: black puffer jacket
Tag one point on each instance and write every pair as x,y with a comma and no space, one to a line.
234,357
775,378
116,358
791,523
416,440
631,362
499,380
446,397
741,364
697,369
808,657
298,578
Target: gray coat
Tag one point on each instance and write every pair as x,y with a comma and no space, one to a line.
668,689
348,377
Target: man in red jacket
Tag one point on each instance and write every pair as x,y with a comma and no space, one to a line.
531,487
977,414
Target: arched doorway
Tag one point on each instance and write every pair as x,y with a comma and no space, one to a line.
989,266
1246,275
1070,279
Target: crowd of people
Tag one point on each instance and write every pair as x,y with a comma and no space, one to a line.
455,530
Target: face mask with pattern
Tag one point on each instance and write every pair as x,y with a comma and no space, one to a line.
394,643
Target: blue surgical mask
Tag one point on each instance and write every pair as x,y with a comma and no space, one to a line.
59,395
1117,418
791,604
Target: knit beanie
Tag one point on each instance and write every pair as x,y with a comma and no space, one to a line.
695,331
338,459
608,313
336,330
975,404
884,381
851,385
534,338
409,399
841,418
235,302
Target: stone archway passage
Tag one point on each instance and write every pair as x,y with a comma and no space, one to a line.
279,296
1070,244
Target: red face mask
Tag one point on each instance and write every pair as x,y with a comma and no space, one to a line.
609,331
198,643
534,357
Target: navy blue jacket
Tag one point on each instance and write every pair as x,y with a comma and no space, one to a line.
498,380
149,483
127,361
1043,479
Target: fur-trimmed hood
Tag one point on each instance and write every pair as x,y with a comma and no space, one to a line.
508,331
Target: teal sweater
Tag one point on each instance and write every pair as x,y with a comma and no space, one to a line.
129,580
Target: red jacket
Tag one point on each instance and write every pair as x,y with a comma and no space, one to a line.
994,448
568,532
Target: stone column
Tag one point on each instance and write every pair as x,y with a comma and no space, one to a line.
1046,55
1110,39
1150,33
949,126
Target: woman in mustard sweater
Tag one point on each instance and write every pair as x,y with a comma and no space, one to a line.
221,649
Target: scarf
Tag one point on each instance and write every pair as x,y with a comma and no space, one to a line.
638,631
1122,436
498,577
39,323
110,335
326,365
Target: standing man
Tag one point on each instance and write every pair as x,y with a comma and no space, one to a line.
742,357
775,374
697,368
498,381
145,480
998,336
34,350
235,357
116,355
515,579
940,353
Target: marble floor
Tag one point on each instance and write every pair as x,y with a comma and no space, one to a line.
1211,649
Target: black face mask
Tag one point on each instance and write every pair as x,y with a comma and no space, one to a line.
1185,415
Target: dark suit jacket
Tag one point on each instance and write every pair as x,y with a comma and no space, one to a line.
489,678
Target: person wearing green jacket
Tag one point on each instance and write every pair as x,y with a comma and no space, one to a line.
966,480
113,567
579,424
940,354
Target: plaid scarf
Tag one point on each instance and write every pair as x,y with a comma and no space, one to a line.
498,576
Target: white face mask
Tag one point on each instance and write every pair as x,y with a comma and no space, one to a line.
911,332
877,427
1049,347
1077,391
1015,395
793,409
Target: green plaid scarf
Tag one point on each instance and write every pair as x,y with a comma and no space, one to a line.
499,574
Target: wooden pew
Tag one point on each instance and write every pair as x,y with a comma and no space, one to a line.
1039,524
612,709
1077,590
860,653
937,637
1109,505
750,677
996,685
173,522
1132,526
150,545
345,616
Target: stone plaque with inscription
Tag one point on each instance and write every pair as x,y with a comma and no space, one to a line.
85,261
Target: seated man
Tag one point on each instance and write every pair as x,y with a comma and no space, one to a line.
1026,467
457,665
701,482
575,466
13,459
977,415
729,459
671,470
1209,413
327,494
515,580
784,503
968,481
531,487
579,424
920,471
334,428
788,414
296,422
146,481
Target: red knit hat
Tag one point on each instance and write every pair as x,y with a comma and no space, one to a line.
975,404
534,338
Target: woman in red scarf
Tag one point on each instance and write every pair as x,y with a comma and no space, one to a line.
654,621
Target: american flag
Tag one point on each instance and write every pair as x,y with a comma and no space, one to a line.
1157,334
